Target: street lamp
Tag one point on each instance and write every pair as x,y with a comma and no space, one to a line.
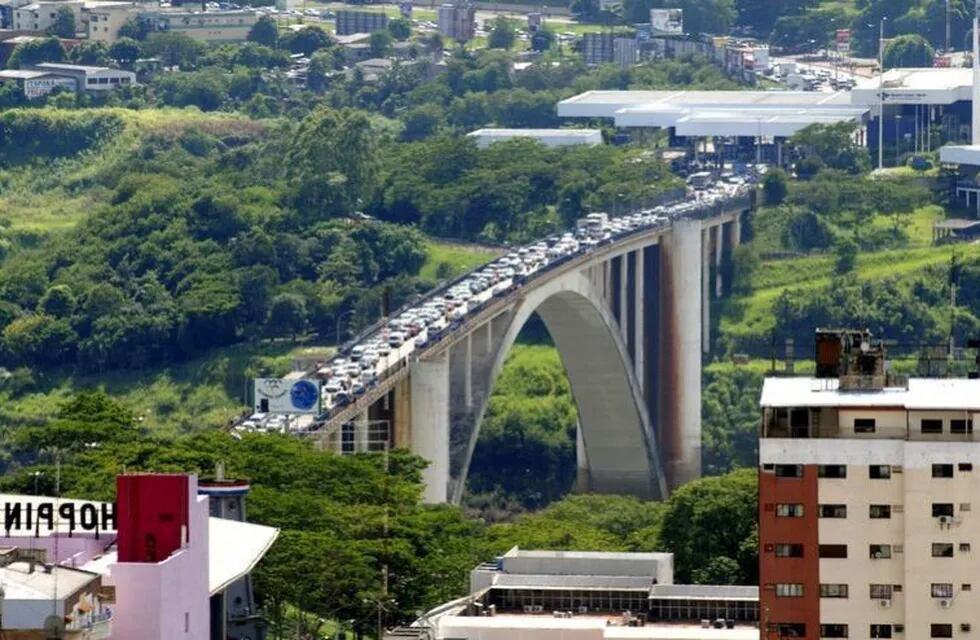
37,476
881,92
339,320
898,144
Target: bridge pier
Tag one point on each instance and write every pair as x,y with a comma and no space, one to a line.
639,321
430,423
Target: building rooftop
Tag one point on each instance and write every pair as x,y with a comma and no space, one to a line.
22,74
517,552
922,394
22,583
536,133
968,154
590,582
911,85
61,66
704,592
519,625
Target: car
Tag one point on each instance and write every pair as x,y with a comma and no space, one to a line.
396,339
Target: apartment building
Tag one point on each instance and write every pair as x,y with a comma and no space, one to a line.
866,487
457,20
206,26
350,21
103,20
40,16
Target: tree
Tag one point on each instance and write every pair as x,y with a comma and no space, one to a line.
135,29
833,146
422,122
760,17
125,51
58,301
400,28
586,10
174,49
502,35
380,43
910,50
40,339
846,251
287,315
37,51
306,40
89,52
265,31
775,186
543,39
63,25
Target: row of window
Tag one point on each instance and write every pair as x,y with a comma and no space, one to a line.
886,591
942,630
875,471
884,511
875,551
929,426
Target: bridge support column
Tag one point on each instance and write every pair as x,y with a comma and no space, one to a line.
624,322
719,246
430,423
705,282
685,265
468,372
736,230
401,422
639,322
361,429
583,481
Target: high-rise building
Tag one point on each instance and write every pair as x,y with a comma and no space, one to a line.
457,21
865,500
349,21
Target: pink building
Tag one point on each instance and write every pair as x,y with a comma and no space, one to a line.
162,558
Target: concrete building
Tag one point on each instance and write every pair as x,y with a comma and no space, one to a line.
102,20
87,78
207,26
547,137
39,16
350,21
865,491
7,12
597,48
626,52
573,595
457,20
34,591
36,84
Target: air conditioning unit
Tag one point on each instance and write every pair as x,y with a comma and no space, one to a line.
945,603
885,603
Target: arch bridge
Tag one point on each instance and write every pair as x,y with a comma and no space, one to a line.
631,321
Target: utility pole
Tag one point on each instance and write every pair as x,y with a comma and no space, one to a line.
946,50
976,72
954,278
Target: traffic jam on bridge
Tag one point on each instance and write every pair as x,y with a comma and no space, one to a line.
388,346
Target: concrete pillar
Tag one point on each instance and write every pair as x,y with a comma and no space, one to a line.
361,431
430,423
736,230
583,481
681,359
705,283
719,246
401,431
639,352
624,324
468,372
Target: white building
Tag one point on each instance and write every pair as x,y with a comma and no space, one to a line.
39,16
103,20
90,78
866,488
207,26
547,137
36,84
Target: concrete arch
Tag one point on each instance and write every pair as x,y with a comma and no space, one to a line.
620,443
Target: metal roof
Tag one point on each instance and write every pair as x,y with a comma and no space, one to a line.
704,592
552,582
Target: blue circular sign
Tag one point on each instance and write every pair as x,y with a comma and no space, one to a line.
304,395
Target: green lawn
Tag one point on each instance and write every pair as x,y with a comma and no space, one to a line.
458,258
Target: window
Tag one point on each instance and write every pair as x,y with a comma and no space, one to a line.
788,629
942,471
932,426
881,631
789,471
789,590
864,425
881,592
941,631
833,631
785,510
964,547
966,466
832,471
789,550
833,511
942,589
880,511
879,472
942,509
833,551
966,587
942,550
965,506
880,551
833,591
961,426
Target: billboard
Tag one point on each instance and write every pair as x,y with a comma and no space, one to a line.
277,395
843,41
667,21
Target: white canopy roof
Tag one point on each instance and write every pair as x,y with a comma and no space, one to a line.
923,394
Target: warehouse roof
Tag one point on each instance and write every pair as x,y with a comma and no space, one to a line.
922,394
